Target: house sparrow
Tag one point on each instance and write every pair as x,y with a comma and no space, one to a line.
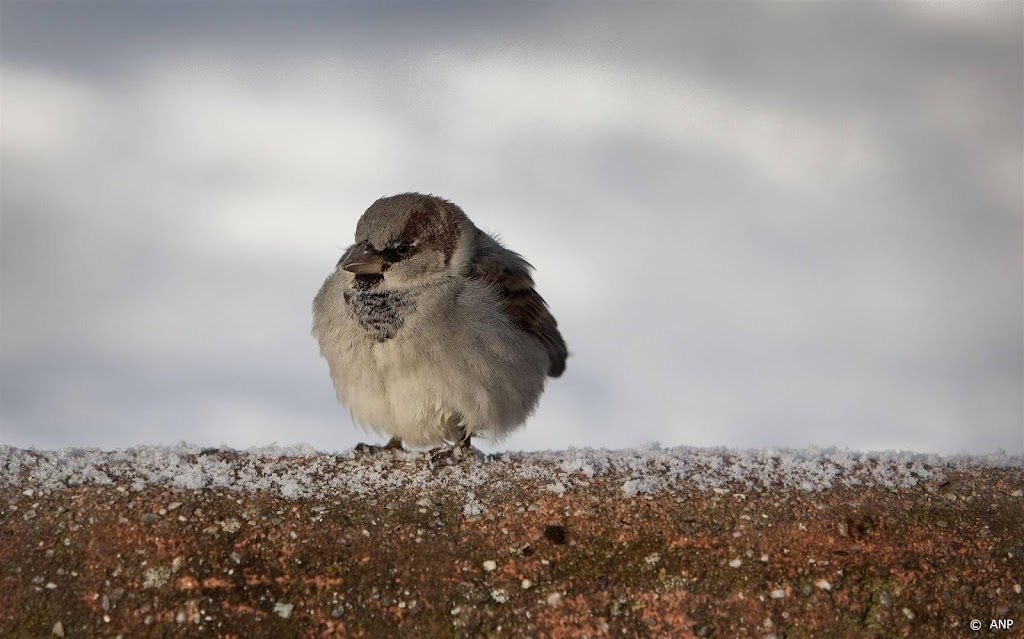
432,329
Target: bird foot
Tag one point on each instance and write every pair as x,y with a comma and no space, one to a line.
369,449
451,455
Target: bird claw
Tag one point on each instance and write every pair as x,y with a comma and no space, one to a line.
369,449
445,456
451,455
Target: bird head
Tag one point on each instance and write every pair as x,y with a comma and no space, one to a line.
407,240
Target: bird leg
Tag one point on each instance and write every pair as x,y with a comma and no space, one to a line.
367,449
461,449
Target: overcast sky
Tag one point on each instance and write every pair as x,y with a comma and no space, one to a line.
759,225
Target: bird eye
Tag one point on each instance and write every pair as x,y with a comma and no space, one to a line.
397,252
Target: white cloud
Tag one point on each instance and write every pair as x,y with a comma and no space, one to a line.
489,104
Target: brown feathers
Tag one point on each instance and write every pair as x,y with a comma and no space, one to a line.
509,273
432,224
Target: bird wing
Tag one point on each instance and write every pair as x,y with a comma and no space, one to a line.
509,274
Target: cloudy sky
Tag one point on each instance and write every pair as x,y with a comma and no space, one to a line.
759,225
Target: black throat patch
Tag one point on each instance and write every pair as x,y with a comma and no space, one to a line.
381,313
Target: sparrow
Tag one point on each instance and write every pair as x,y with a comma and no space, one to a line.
432,330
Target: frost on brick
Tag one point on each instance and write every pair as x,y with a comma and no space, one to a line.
634,487
300,472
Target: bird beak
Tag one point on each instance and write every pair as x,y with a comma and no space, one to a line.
363,260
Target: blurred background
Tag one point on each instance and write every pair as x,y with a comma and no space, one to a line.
759,225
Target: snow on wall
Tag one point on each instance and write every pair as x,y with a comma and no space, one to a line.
302,472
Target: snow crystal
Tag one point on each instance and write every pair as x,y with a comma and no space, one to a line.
156,577
557,487
284,610
634,487
300,472
473,508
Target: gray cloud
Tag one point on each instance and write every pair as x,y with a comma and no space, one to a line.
777,225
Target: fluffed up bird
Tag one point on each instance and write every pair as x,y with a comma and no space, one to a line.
432,329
